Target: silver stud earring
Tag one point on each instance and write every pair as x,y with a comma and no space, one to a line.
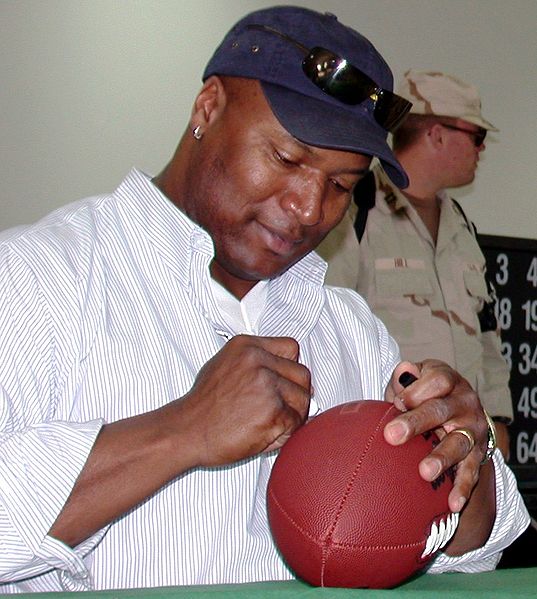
196,132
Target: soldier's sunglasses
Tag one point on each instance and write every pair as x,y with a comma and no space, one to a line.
345,82
479,135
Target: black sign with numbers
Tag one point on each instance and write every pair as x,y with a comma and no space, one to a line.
512,267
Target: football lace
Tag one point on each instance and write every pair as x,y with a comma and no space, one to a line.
440,534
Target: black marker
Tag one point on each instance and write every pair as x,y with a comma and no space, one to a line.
407,378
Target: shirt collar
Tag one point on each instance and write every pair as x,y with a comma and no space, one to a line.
176,238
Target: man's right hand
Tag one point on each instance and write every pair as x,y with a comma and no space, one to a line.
247,399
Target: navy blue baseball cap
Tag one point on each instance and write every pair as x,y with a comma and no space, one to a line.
271,44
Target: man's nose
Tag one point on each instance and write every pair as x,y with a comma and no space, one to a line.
305,201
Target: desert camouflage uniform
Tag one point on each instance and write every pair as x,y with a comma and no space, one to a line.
429,297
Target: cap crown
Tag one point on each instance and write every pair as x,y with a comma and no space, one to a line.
267,57
307,112
440,94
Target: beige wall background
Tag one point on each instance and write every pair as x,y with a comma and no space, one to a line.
90,88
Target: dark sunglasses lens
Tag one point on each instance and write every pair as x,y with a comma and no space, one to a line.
336,77
480,137
343,81
390,109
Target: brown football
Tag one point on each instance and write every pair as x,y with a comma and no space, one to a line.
347,509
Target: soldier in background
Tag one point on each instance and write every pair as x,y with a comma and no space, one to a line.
413,254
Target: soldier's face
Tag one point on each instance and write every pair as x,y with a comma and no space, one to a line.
462,153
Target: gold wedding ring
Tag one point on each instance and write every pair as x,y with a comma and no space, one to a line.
468,434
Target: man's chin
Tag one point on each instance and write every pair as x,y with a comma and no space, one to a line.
265,269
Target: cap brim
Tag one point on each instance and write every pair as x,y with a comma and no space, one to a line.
327,125
421,109
480,122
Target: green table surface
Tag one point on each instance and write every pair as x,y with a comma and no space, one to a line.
512,583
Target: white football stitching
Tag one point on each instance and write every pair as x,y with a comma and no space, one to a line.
440,534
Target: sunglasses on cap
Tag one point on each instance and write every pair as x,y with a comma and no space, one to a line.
345,82
479,135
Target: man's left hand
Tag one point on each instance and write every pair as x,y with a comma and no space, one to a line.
440,399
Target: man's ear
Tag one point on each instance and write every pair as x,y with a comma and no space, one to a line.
209,104
436,135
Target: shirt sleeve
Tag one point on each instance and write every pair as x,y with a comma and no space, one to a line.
41,451
39,466
512,519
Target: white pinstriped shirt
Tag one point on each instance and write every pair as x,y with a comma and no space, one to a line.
107,310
